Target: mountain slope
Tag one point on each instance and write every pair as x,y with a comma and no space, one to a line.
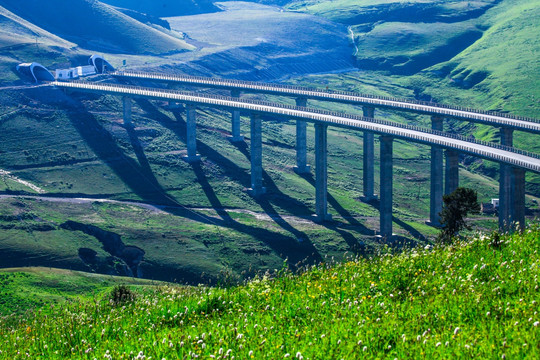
504,64
164,8
95,26
14,30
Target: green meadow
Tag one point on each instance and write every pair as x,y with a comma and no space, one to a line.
475,298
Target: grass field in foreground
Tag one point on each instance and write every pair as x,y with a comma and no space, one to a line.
477,298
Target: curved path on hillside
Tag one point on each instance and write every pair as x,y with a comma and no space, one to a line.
489,151
494,119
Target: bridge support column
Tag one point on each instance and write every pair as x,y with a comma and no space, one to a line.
386,182
191,134
235,127
321,173
505,197
126,104
518,195
452,171
301,142
507,136
505,184
369,159
256,157
436,177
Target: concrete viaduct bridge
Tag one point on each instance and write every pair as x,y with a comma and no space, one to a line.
506,123
514,162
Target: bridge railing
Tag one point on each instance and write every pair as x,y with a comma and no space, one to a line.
277,87
263,106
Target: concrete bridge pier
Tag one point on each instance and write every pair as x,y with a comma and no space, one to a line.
256,189
436,177
369,159
518,195
321,173
236,136
302,166
126,104
191,134
386,182
505,197
505,184
452,171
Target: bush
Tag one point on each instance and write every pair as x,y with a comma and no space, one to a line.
122,294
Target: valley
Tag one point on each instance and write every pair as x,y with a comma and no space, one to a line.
199,224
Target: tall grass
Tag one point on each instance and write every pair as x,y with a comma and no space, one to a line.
476,298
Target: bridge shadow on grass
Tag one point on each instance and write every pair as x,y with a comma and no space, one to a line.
137,176
285,201
296,249
139,179
376,203
354,245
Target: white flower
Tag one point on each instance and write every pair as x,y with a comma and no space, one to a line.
456,331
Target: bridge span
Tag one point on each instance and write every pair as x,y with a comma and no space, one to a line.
516,161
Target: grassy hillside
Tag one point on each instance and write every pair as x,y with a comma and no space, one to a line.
501,67
476,299
166,8
211,226
355,12
404,37
15,31
95,26
28,288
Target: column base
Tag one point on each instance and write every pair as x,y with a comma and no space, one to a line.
321,219
191,159
306,169
369,199
387,238
235,139
256,192
437,225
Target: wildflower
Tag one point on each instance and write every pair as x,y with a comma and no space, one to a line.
250,353
536,323
456,331
364,349
287,355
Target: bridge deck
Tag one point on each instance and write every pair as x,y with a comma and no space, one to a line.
484,150
518,123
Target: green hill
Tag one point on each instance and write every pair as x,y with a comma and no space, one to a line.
166,8
29,288
15,31
95,26
477,299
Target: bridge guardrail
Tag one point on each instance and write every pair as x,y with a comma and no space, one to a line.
263,106
269,86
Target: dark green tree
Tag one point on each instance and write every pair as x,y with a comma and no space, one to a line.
457,206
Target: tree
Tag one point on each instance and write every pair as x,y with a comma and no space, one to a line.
457,206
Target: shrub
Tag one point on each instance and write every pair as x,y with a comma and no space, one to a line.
122,294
